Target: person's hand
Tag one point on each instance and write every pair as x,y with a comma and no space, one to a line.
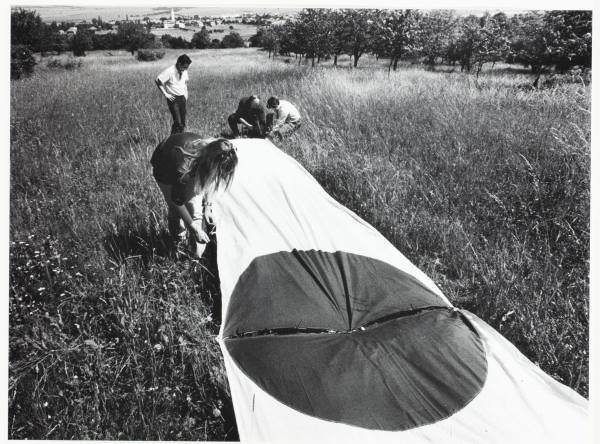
245,123
208,215
197,229
170,97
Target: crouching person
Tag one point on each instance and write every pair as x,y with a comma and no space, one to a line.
283,120
251,114
189,171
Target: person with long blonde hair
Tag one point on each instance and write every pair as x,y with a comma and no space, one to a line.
189,171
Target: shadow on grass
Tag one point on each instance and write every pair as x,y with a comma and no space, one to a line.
230,426
140,242
146,244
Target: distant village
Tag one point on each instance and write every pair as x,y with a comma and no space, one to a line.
173,21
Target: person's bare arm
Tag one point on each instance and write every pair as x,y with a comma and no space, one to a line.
161,87
245,122
196,226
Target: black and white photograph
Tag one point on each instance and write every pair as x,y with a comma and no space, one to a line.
288,222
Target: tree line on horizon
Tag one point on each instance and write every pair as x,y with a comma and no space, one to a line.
539,40
29,34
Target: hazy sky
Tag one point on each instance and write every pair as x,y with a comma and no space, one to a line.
111,10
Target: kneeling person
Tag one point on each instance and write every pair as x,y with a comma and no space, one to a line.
250,113
285,118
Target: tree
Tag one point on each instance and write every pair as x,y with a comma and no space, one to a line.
313,33
27,29
232,40
201,39
358,26
556,38
269,40
469,36
492,44
255,41
338,36
436,35
571,42
284,39
134,36
395,34
80,43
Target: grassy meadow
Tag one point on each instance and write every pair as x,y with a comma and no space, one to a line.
484,184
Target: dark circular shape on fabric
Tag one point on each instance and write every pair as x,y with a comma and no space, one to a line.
351,339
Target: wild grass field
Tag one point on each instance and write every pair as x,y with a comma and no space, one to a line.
484,185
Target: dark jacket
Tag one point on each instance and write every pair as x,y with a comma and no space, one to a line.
254,113
170,164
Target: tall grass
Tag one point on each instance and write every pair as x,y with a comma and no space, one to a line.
483,184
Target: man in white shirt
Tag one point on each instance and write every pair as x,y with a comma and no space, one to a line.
172,82
284,120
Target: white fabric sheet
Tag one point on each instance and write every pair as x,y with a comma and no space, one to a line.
274,205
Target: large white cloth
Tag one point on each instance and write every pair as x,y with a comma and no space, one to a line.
275,205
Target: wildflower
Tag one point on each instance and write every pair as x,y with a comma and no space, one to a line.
46,404
41,289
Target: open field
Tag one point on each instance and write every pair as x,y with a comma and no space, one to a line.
216,32
483,185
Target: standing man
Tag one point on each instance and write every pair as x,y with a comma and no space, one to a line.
252,114
284,120
172,82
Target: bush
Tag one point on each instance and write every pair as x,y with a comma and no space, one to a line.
149,55
174,42
232,40
106,41
21,61
69,64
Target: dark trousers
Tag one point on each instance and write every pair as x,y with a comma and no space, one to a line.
234,121
177,108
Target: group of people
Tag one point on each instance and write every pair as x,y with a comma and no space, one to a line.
190,169
279,119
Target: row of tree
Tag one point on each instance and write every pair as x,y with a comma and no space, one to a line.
560,39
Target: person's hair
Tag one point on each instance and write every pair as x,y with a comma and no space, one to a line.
252,98
213,167
272,102
183,59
